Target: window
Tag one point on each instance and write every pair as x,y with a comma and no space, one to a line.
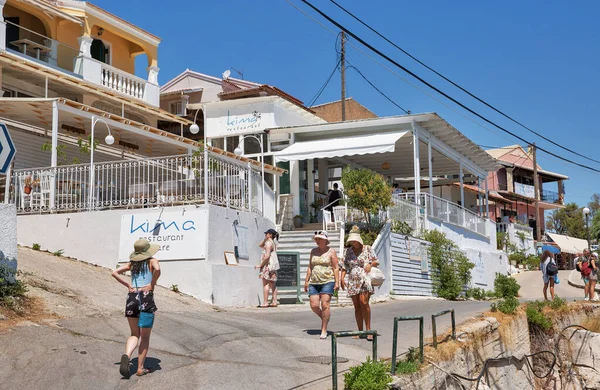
176,108
100,51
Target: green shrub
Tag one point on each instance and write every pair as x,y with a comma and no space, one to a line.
508,305
476,293
58,253
501,238
490,294
401,227
174,288
406,367
36,247
557,303
366,190
532,262
10,287
536,316
368,376
517,257
451,269
506,286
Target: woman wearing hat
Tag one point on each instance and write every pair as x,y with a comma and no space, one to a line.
268,276
145,272
358,260
322,278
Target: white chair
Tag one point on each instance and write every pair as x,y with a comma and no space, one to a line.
41,199
339,215
327,220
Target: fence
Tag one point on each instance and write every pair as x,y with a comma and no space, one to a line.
139,183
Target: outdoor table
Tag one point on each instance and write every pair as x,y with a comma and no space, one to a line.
24,43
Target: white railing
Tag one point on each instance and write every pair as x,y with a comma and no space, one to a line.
139,183
446,211
123,82
409,212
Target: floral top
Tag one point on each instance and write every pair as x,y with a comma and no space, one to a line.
321,271
358,279
264,271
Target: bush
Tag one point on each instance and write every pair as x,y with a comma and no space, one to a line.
508,305
406,367
36,247
490,294
506,286
368,376
451,269
9,286
557,303
532,262
58,253
501,238
536,316
366,190
517,258
476,293
401,227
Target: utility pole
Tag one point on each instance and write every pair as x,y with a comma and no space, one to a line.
536,189
343,71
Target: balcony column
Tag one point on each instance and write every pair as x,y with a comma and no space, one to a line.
2,27
85,65
561,192
152,90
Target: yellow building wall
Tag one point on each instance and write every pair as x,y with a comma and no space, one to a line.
120,49
68,50
30,22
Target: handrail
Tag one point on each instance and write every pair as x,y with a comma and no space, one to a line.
335,201
43,36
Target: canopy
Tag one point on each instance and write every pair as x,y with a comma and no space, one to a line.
339,147
568,244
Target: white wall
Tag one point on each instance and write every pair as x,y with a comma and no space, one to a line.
8,235
383,251
93,237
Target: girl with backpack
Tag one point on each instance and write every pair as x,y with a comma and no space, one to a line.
549,270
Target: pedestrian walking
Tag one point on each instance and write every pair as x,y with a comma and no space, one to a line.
549,271
322,279
140,306
269,265
333,199
358,260
583,266
593,276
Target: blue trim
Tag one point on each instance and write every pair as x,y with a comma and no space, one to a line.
11,147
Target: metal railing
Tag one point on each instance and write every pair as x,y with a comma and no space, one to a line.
138,183
446,211
411,213
335,336
41,48
550,196
395,338
434,328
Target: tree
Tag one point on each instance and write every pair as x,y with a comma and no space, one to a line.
567,221
367,190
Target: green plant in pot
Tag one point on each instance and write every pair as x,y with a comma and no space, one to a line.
298,221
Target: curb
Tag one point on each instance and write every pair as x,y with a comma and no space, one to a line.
577,282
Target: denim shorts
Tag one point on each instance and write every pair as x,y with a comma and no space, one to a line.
316,289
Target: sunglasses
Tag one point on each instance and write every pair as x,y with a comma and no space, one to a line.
321,232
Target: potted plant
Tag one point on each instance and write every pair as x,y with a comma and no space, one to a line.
298,221
28,181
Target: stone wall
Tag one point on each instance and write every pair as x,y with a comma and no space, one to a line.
8,235
510,336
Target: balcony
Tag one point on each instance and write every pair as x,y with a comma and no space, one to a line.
550,196
525,190
78,63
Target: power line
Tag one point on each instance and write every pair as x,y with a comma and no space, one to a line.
370,47
320,91
458,86
377,89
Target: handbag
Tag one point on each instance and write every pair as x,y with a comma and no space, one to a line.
273,260
377,276
146,319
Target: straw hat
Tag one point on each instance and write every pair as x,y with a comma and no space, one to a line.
142,250
355,235
321,234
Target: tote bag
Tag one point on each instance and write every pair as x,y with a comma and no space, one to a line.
273,260
377,276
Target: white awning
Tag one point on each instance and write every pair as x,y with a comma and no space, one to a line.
568,244
339,147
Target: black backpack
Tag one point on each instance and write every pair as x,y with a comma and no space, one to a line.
551,269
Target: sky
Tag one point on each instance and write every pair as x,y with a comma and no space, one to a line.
536,61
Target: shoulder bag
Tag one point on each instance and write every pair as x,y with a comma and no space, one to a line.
146,319
273,260
377,276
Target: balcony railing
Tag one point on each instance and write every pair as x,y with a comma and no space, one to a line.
39,48
139,183
448,212
550,196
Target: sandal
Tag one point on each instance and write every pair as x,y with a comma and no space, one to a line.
370,337
124,367
262,306
273,305
323,336
145,371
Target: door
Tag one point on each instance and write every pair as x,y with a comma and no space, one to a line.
99,51
12,32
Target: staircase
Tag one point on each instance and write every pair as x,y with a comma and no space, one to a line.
300,240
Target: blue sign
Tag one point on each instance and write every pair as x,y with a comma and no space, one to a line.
7,149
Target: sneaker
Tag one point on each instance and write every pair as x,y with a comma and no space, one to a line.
586,299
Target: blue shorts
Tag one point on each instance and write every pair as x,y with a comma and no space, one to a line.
316,289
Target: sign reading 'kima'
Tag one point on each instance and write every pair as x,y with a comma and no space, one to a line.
236,123
181,236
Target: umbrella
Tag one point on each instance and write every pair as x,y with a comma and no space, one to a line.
550,248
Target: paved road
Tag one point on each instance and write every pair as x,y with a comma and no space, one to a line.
532,286
193,345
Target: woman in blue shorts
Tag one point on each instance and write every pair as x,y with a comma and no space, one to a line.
322,279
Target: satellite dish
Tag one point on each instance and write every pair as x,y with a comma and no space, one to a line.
226,74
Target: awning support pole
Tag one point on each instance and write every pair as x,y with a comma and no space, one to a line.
54,154
416,163
462,185
430,165
487,199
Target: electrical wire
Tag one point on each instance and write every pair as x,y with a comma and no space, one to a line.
377,89
370,47
459,87
320,91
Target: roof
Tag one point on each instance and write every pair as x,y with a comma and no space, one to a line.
37,69
51,8
481,191
568,244
18,111
498,153
215,80
117,21
258,91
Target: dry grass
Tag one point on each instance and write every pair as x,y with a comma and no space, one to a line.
592,324
27,309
